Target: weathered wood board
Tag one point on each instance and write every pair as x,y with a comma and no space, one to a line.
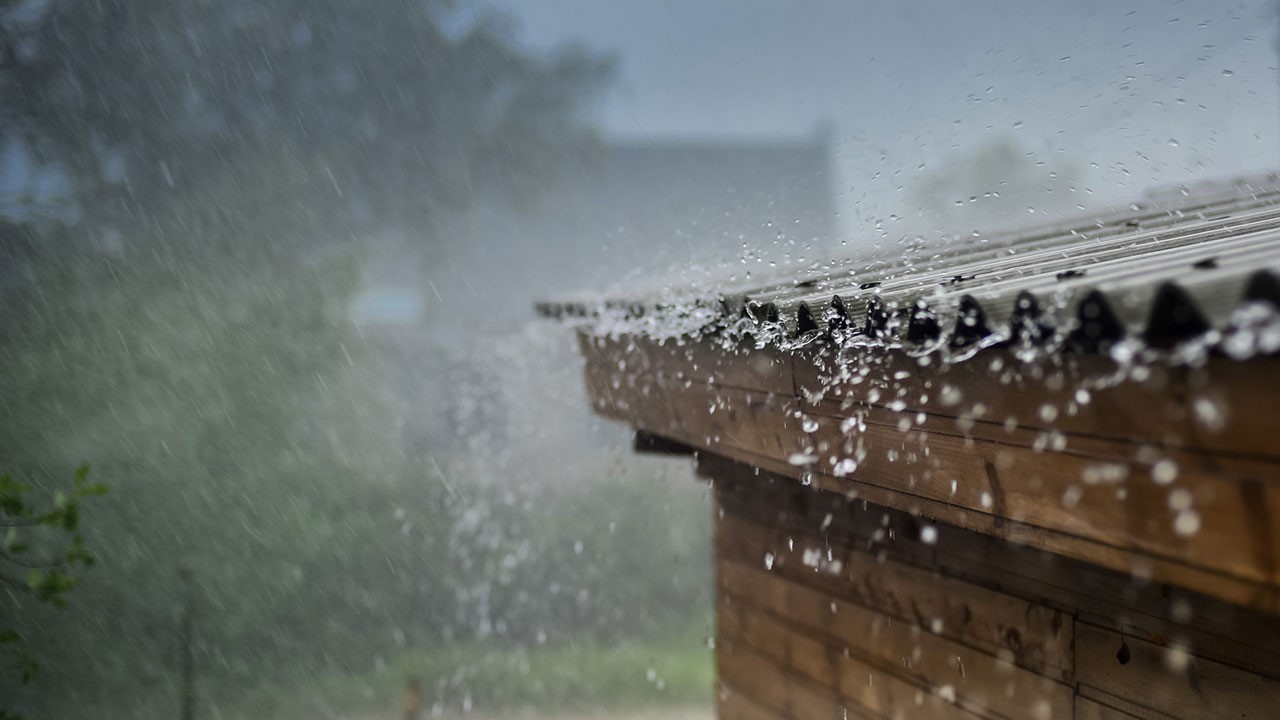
829,607
1166,473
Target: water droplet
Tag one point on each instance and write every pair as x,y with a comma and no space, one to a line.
928,535
1105,473
1173,142
812,557
1164,472
1187,523
1048,413
951,396
1176,657
1228,73
1209,414
802,458
768,561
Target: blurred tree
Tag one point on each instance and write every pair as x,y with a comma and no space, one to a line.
33,564
182,187
406,103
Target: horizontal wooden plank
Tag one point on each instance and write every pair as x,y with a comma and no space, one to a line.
759,423
867,692
766,682
1153,611
1220,407
1087,709
1174,522
1031,635
744,625
1144,567
641,400
753,675
1140,456
1170,679
977,680
1093,701
1195,518
742,366
733,704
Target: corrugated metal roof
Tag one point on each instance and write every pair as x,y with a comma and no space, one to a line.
1195,266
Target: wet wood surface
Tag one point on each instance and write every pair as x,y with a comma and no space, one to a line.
1167,473
829,607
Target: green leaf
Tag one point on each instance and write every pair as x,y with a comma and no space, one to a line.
71,517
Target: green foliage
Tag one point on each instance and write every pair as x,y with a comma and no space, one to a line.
190,337
409,105
35,558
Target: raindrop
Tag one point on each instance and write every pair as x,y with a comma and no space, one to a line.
768,561
1209,414
845,467
929,535
1176,657
1180,499
1164,472
951,396
1187,523
802,458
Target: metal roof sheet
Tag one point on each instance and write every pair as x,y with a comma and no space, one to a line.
1197,267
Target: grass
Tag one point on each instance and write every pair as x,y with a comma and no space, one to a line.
675,669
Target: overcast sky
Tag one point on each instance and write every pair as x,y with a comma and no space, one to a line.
1135,93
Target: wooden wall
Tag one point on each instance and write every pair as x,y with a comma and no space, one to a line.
1172,474
830,607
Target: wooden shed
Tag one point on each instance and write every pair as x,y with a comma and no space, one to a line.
1026,475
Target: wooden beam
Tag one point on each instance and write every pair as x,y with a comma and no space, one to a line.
1170,475
645,442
